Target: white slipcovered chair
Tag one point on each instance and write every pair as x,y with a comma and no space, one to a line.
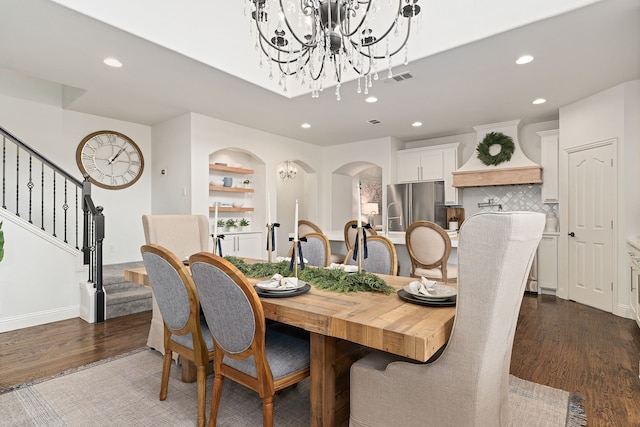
183,235
468,384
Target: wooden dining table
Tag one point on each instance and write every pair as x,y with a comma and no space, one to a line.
346,326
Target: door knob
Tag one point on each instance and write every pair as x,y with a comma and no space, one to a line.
572,234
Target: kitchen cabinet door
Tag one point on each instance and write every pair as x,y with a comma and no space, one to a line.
244,245
408,167
548,263
549,161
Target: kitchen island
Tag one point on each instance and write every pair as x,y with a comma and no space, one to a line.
336,237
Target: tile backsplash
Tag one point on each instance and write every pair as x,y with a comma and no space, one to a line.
510,197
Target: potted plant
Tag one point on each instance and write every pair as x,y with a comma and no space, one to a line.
246,182
244,222
221,223
231,224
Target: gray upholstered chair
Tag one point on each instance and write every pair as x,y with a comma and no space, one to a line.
184,331
264,359
429,247
184,235
350,233
468,384
382,257
316,250
306,227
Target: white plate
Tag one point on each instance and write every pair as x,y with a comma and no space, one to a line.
436,293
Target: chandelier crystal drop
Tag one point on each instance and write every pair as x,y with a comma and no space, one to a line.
287,171
320,38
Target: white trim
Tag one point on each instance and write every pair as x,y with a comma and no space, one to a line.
38,318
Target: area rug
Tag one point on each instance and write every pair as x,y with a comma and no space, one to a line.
123,391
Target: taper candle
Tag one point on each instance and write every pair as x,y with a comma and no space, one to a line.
268,208
215,226
295,224
359,208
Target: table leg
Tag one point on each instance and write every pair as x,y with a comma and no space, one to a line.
331,359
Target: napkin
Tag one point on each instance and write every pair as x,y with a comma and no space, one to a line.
424,286
278,282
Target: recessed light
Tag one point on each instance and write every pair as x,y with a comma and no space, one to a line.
305,125
416,124
113,62
371,99
524,59
539,101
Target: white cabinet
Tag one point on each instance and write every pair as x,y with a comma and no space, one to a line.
549,161
435,163
244,245
548,263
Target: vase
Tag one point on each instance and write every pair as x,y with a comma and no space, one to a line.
551,223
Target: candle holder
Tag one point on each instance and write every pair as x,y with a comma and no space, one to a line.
271,239
297,258
217,244
360,239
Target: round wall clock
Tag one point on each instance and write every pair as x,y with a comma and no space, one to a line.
112,160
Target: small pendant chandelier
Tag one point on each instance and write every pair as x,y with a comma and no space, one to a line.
287,171
309,39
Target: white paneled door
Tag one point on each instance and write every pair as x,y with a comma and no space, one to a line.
592,190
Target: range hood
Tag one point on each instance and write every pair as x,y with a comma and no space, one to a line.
518,170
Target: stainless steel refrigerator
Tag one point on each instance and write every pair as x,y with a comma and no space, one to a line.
417,201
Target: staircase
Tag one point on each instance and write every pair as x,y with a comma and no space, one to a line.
122,297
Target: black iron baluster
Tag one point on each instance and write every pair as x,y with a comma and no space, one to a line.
65,208
30,187
53,233
77,219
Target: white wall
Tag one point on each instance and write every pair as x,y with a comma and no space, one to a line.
31,110
610,114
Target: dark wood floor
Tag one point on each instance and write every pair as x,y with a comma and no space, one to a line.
558,343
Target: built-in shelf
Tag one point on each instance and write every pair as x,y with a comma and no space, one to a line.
229,209
230,189
230,169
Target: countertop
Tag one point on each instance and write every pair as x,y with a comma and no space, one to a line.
396,237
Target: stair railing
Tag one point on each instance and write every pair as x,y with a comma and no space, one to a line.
45,195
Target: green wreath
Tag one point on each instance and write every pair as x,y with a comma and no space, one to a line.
506,144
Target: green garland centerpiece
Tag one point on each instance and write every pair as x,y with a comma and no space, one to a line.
507,147
321,278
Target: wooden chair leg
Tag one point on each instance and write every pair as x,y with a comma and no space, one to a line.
215,399
267,411
166,370
202,395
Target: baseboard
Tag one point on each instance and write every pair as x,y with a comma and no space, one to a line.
38,318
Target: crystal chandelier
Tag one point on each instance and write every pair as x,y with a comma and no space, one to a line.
310,39
287,171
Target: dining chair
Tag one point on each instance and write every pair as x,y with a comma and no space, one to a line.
468,384
263,359
185,333
350,233
429,247
381,259
316,250
305,227
183,235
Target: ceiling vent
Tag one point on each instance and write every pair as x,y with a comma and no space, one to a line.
373,122
402,76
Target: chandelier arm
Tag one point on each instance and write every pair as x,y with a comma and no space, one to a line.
295,36
364,17
361,71
392,53
292,73
266,39
317,77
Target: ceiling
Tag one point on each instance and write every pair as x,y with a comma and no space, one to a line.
578,53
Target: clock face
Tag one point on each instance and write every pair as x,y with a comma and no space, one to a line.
112,160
